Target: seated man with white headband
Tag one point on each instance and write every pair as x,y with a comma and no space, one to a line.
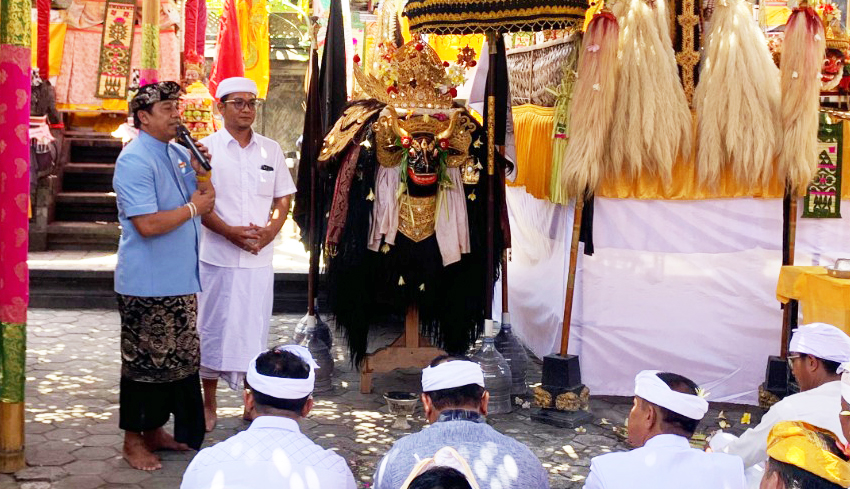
664,416
815,353
272,452
455,403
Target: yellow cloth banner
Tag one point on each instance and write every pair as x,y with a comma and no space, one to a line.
254,32
824,299
448,47
57,47
534,166
533,132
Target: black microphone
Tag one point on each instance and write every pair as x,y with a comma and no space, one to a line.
184,138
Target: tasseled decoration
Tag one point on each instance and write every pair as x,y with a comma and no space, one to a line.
737,100
802,58
592,106
652,122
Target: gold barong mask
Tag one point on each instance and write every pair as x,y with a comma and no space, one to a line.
430,138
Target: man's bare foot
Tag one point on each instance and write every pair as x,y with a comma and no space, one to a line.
210,404
160,439
210,417
136,453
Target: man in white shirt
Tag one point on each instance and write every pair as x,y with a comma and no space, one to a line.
272,452
815,352
236,270
664,416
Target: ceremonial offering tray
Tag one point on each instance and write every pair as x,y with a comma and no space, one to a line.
196,110
841,268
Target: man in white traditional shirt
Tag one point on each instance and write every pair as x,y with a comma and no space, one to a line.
815,353
236,270
272,452
665,414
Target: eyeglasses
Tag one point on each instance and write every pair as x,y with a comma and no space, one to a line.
240,104
791,360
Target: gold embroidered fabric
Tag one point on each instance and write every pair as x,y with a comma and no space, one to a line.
799,444
417,216
344,130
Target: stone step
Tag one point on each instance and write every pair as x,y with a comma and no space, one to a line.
86,207
80,235
84,289
88,177
94,151
90,168
91,198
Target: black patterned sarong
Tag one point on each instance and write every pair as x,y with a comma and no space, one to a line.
160,358
159,338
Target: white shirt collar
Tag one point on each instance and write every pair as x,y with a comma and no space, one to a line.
667,440
229,137
275,422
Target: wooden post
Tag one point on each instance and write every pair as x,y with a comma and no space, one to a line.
491,173
11,437
571,277
789,239
409,350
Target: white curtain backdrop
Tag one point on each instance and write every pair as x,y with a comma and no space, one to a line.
682,286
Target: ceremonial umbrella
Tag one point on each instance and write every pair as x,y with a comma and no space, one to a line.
493,17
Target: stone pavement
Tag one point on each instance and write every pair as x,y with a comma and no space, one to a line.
73,440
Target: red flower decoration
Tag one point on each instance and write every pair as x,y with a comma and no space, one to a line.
419,46
406,141
392,89
446,64
444,144
453,92
473,63
356,58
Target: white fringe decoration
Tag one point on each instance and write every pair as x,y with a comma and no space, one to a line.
592,107
737,100
652,122
802,58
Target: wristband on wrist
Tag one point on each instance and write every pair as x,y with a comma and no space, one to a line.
205,178
193,210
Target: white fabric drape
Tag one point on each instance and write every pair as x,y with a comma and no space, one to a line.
682,286
452,226
385,211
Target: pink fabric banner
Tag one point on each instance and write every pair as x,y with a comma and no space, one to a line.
14,181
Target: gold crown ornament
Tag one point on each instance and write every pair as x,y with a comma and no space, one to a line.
836,36
414,76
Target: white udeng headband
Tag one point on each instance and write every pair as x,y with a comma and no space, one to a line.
650,387
454,373
821,340
279,387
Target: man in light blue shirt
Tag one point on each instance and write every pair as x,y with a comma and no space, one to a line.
161,193
455,404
